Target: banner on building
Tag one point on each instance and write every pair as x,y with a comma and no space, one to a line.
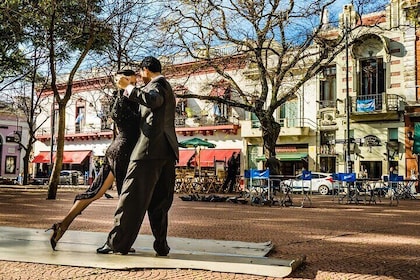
367,105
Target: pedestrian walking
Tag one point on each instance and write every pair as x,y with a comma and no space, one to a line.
232,171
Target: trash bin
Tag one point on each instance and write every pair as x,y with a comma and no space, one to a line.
74,179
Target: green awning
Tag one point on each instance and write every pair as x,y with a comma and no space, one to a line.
416,144
296,156
260,158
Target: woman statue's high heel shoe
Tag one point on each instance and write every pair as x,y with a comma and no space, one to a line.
56,235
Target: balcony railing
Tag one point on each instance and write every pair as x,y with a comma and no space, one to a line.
183,121
381,102
297,122
327,104
70,130
289,123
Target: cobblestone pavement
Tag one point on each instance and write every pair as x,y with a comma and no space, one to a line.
340,241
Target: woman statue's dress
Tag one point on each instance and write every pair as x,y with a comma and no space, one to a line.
125,115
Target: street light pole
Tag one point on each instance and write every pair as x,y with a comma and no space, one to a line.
52,134
348,107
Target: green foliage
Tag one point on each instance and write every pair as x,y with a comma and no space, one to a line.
67,24
74,23
12,58
413,13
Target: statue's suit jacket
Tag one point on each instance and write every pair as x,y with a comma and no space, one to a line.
157,138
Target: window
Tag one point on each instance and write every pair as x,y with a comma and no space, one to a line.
181,112
327,146
181,109
328,90
10,166
393,145
221,112
327,164
287,114
80,117
104,114
393,134
255,122
372,76
371,85
373,168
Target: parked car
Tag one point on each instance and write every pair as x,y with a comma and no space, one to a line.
66,177
321,183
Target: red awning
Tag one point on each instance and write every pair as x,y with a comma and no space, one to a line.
74,157
208,156
184,156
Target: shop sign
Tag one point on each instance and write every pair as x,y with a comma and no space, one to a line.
372,140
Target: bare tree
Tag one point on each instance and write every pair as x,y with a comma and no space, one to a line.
133,24
26,105
26,98
284,44
134,32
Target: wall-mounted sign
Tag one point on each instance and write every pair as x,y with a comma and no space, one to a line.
371,140
13,137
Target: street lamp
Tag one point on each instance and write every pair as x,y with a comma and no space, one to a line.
52,134
348,107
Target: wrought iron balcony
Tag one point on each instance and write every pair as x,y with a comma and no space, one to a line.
205,125
377,106
327,104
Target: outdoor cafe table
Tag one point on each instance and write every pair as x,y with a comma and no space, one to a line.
198,184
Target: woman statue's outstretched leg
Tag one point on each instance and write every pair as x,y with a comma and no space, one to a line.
100,185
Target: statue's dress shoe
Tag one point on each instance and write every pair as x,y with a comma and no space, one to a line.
104,249
161,248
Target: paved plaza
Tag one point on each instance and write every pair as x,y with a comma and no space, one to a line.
340,241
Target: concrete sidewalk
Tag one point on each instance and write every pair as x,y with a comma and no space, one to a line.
340,241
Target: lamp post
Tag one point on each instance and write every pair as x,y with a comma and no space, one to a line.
348,107
52,135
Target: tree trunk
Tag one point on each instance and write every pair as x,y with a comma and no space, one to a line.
28,152
270,133
58,163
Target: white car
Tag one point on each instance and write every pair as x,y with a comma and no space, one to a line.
321,183
66,177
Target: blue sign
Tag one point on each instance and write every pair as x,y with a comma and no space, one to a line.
345,177
257,174
395,178
306,175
